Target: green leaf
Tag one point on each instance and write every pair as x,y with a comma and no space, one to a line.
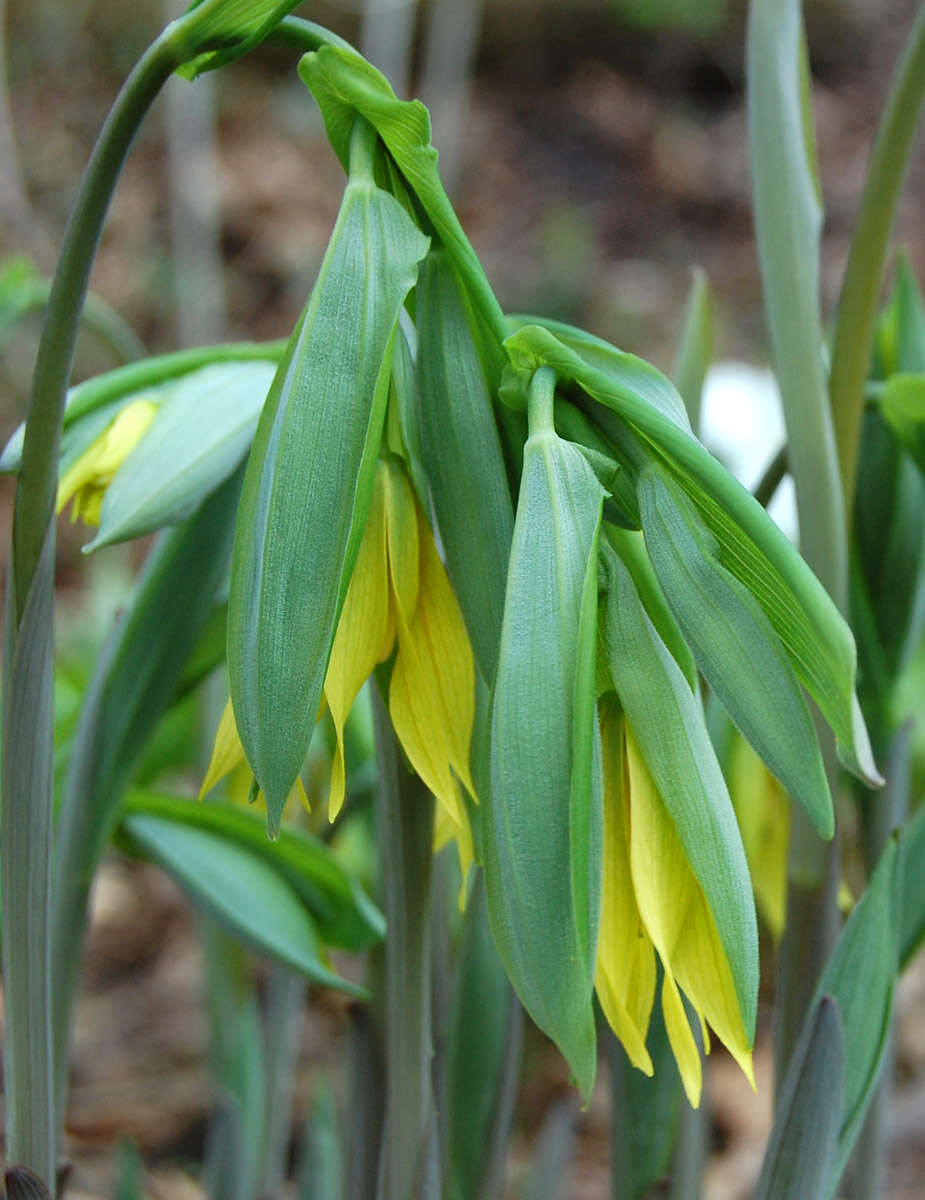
214,32
105,394
751,546
321,1170
462,453
344,84
804,1139
482,1058
307,485
734,644
240,890
201,432
903,405
667,720
912,923
543,855
343,913
695,353
861,976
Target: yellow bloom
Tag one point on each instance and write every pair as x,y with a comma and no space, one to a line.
228,756
763,813
653,903
87,479
399,599
399,595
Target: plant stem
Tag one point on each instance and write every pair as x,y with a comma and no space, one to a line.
857,308
409,1163
27,758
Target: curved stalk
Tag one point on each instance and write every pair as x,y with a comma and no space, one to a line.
857,308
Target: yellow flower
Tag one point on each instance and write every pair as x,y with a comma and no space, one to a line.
653,903
228,756
87,479
763,813
399,595
399,598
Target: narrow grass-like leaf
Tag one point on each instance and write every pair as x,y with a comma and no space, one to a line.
668,723
788,218
801,1151
343,913
202,430
308,483
25,842
238,889
751,546
734,643
912,924
462,453
695,352
861,976
545,790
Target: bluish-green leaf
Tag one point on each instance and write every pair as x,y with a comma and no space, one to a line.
541,817
202,430
462,453
804,1139
667,720
734,643
240,890
861,975
343,913
912,924
307,485
751,546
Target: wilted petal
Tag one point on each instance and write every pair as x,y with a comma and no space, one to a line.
625,971
88,478
362,637
679,921
432,691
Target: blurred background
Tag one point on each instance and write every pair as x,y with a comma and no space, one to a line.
596,152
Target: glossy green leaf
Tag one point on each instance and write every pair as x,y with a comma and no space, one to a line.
308,481
751,546
462,453
861,976
105,394
668,723
912,923
240,890
801,1151
734,644
541,820
342,912
202,430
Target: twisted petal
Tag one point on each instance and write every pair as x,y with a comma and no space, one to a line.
432,691
625,971
681,926
363,635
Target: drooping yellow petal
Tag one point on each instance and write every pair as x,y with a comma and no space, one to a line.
227,752
228,756
445,831
763,812
87,479
625,970
432,690
683,1046
404,539
675,912
362,637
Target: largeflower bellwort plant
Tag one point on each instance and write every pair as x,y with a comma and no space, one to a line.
510,527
